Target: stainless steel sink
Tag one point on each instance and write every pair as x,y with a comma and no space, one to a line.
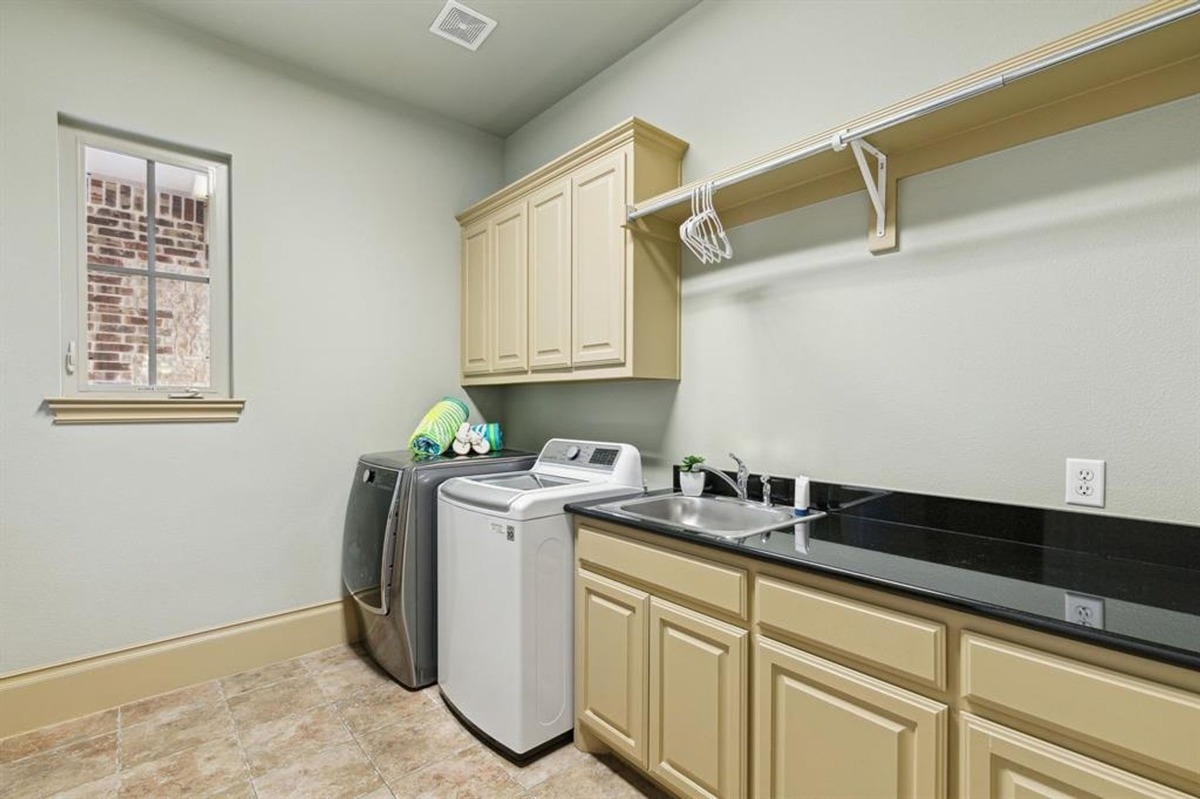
720,516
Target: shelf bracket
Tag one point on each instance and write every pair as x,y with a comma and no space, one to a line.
881,190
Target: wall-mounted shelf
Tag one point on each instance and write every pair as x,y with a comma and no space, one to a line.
1141,59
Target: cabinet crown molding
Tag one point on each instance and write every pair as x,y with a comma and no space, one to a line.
611,139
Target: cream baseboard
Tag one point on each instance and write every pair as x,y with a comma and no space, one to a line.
51,694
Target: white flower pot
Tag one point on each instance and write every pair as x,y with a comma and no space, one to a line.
691,483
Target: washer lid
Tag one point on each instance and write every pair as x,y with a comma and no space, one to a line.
498,492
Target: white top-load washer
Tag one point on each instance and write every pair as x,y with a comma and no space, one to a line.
505,598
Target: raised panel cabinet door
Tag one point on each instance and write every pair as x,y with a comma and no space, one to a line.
823,731
510,290
999,763
610,662
550,277
697,702
598,262
476,300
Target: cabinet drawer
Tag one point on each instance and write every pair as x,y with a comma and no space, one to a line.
1128,715
896,642
701,582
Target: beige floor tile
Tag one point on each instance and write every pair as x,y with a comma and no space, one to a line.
280,743
382,793
343,772
595,780
351,676
197,772
107,788
433,695
241,790
540,770
332,657
261,678
275,701
470,775
166,706
60,769
31,743
190,727
379,706
419,740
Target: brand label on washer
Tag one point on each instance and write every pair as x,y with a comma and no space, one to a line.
497,528
510,532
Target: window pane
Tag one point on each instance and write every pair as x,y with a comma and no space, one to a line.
117,329
116,209
183,333
181,235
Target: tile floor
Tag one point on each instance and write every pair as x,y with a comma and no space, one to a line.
329,725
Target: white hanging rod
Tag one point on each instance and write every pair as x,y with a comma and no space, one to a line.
839,140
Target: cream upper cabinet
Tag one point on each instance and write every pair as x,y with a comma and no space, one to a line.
697,732
599,299
610,662
509,322
598,279
824,731
476,299
999,763
550,277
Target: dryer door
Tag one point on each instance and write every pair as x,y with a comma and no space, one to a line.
368,538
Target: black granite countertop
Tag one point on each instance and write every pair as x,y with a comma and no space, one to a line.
1007,562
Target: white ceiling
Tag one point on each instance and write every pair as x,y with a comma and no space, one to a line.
540,51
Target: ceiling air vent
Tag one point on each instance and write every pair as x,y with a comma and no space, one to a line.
462,25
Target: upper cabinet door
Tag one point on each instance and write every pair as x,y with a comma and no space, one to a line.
510,319
476,301
598,258
550,277
823,730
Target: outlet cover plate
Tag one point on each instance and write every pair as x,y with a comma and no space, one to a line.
1084,610
1085,482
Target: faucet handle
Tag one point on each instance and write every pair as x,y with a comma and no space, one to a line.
741,463
766,489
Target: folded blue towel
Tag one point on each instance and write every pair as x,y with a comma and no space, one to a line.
491,433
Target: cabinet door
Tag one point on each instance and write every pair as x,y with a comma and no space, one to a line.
610,662
476,299
697,702
823,731
550,277
598,262
510,289
999,763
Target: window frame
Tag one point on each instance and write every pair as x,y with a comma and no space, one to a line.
74,268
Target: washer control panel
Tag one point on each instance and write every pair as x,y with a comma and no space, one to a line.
581,454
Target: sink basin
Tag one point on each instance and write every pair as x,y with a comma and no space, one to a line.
719,516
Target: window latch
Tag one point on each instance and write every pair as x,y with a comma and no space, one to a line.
70,359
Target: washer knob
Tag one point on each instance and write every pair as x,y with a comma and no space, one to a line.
572,452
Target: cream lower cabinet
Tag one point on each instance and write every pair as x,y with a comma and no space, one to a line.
610,662
824,731
662,685
999,763
697,699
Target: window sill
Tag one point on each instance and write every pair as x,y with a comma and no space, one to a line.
117,410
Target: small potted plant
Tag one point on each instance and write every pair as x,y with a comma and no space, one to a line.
691,479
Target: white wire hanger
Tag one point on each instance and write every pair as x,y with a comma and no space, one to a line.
702,232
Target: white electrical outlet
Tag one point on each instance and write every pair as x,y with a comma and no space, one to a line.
1085,482
1084,610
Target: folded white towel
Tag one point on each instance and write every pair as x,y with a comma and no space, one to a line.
482,446
464,430
461,447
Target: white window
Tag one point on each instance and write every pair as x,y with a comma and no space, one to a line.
145,267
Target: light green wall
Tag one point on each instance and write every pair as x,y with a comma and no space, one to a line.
1045,302
345,287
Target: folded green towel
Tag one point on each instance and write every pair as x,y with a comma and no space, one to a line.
435,432
491,433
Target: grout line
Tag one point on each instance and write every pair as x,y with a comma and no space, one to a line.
237,737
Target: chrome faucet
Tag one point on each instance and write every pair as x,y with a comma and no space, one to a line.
766,487
743,475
